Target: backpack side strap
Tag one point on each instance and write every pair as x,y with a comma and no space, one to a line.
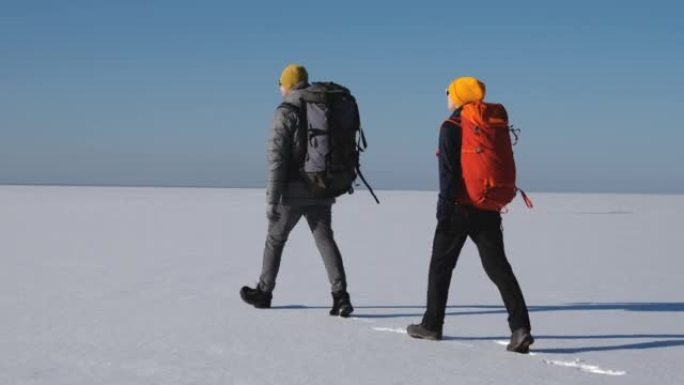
358,171
528,201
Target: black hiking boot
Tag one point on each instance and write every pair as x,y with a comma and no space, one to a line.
341,305
421,332
521,339
256,297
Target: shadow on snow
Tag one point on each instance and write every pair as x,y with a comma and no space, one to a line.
662,340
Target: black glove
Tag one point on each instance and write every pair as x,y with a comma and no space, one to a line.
272,212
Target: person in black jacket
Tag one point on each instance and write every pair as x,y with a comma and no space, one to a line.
456,222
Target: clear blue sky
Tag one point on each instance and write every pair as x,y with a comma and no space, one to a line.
182,92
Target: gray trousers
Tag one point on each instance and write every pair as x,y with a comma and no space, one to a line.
319,219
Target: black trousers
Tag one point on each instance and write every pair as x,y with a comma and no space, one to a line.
484,228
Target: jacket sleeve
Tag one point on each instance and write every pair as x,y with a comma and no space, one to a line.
279,153
449,155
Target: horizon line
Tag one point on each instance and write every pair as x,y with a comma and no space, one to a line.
254,187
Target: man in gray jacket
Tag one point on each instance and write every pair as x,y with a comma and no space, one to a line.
288,199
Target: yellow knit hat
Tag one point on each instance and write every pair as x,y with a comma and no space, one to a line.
466,90
293,74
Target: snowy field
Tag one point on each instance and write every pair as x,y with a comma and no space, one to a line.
140,286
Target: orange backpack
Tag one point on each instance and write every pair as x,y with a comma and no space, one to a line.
487,164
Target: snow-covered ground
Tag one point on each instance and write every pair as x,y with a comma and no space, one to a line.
140,286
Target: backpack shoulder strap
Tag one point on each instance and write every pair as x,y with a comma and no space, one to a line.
300,111
456,121
302,123
289,106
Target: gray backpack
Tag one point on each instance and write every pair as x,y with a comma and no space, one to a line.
334,140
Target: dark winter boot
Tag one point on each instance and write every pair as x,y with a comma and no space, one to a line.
341,304
521,339
256,297
421,332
